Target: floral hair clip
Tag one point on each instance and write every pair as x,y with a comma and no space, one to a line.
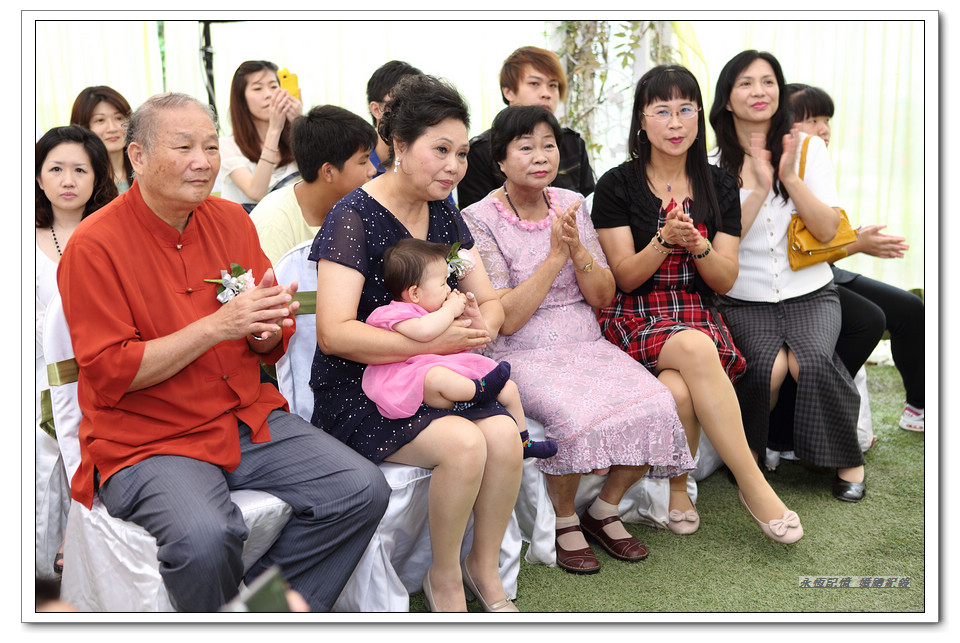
232,283
459,262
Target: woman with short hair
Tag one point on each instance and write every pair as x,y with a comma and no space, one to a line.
475,452
605,411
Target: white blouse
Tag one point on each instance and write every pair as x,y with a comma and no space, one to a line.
232,158
765,273
46,290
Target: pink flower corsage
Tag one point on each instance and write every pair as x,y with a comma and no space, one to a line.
460,261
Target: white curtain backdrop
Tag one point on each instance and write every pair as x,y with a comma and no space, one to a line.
71,55
874,70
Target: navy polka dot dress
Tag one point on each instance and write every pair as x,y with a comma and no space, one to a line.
355,234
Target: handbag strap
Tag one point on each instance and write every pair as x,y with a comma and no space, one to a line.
803,156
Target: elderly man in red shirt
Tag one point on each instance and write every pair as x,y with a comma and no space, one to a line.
174,413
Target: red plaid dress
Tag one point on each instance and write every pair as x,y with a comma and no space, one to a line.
641,324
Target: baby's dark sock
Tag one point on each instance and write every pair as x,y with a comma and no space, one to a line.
490,385
533,449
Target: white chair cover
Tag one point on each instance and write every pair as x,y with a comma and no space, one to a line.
646,502
293,368
53,503
707,461
110,565
52,486
398,555
865,421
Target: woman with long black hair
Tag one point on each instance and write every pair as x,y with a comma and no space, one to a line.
786,322
669,225
258,157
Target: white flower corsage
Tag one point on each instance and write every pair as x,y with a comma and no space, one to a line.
459,262
232,283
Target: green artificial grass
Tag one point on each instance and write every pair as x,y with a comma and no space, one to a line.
728,566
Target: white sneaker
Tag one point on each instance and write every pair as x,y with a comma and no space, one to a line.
912,419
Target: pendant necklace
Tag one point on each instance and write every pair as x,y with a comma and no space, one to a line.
657,174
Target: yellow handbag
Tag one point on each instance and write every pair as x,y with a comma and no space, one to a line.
803,248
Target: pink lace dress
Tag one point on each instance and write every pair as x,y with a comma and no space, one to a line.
598,403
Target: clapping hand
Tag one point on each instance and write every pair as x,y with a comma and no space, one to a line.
558,243
678,228
263,311
762,167
873,242
569,233
788,158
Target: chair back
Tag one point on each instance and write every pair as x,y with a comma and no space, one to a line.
293,369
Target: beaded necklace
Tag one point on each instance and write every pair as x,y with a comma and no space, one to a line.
513,207
55,242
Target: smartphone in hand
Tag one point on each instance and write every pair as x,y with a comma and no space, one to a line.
289,82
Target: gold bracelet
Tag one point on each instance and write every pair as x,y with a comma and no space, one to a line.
658,249
587,267
705,252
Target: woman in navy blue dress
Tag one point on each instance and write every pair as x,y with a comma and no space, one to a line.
475,454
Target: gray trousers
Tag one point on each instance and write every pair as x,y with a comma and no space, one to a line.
337,496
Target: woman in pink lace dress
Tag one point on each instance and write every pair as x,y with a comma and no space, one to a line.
604,410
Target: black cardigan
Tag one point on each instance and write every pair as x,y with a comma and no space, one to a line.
623,199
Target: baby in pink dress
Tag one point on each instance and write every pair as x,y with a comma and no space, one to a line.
415,273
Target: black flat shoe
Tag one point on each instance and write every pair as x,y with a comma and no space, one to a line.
58,564
848,491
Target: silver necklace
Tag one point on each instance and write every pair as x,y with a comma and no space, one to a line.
657,174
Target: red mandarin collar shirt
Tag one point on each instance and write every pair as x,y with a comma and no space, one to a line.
127,277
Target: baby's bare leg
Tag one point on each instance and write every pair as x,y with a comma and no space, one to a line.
442,387
510,399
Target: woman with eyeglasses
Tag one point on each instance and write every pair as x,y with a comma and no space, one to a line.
669,225
104,111
786,322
